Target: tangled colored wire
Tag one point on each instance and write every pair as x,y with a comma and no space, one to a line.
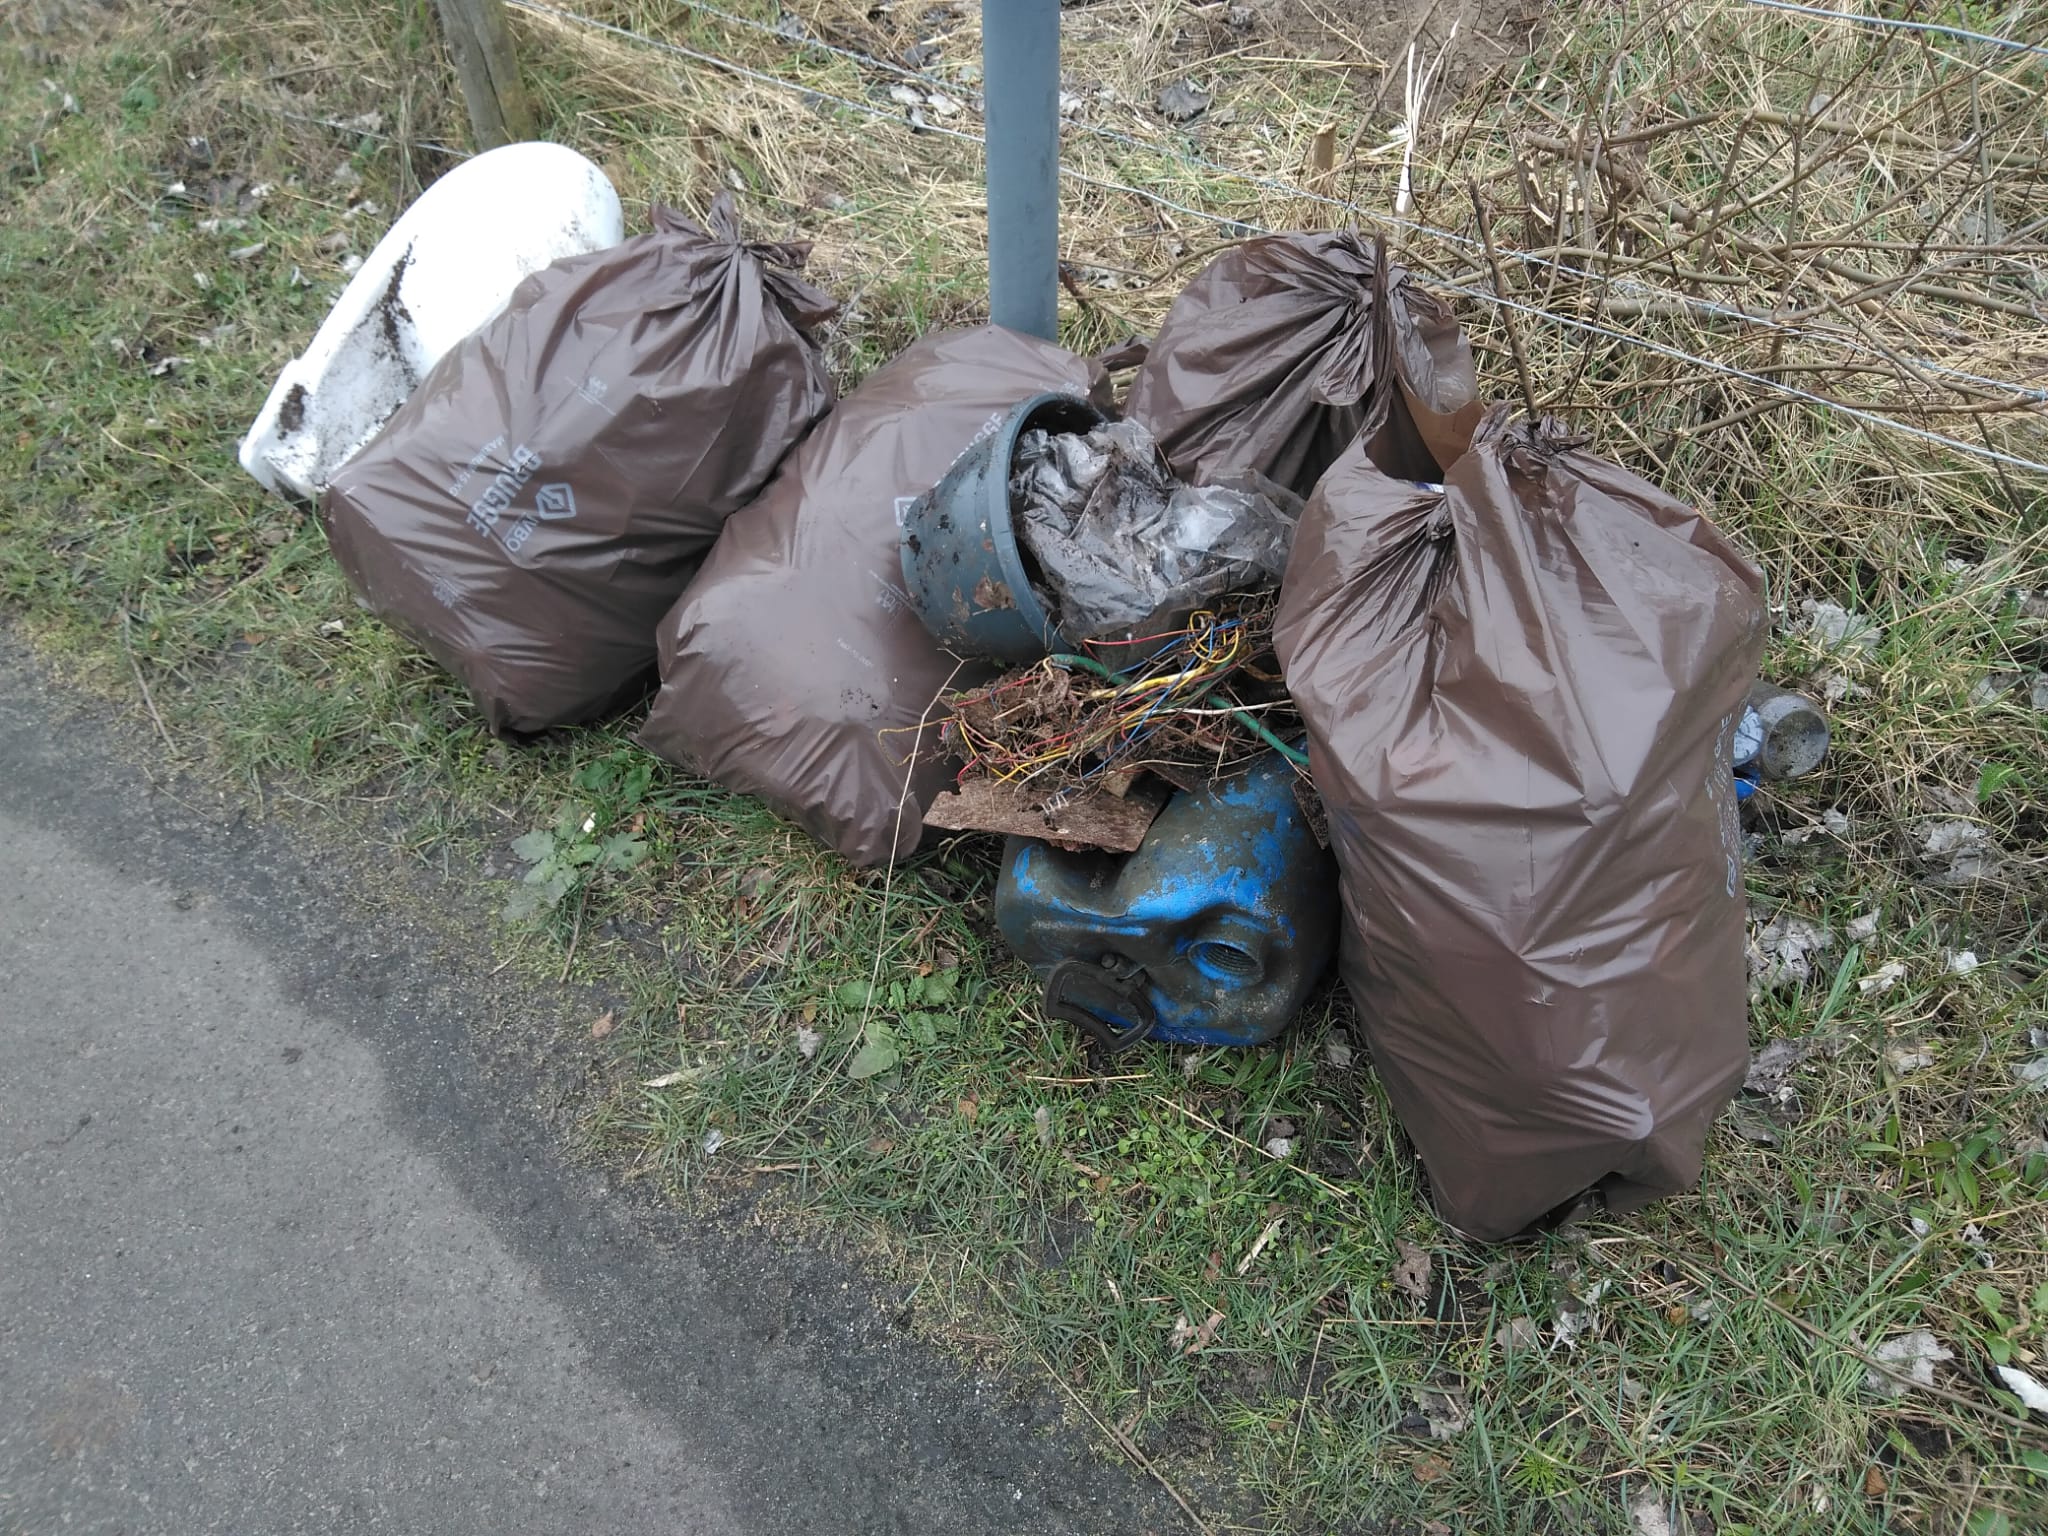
1199,699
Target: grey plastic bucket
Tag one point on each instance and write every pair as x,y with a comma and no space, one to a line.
961,562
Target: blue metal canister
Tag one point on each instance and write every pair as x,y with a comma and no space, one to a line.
1213,933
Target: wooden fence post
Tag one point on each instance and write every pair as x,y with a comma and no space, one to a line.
488,70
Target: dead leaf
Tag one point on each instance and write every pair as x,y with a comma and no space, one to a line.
1862,930
1183,101
1769,1067
1907,1056
1874,1484
1883,979
1782,951
1446,1413
1992,687
1752,1123
1337,1052
601,1026
1519,1333
1322,152
1259,1244
807,1042
1838,629
1581,1315
1957,852
969,1108
1430,1469
1189,1340
1411,1272
1042,1118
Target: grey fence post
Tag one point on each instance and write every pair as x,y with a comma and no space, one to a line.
1020,60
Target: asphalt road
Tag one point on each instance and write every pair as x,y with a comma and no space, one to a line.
284,1249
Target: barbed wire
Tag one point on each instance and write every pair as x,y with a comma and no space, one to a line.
343,125
1903,24
1242,227
1634,287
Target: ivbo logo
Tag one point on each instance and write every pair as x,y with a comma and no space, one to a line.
555,501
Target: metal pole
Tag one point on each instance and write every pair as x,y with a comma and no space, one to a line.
1020,63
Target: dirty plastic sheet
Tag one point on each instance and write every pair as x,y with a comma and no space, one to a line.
1521,691
1123,547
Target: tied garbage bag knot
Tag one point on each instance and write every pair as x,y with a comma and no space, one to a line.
1286,349
781,261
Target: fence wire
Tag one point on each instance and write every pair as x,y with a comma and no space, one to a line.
1242,228
1903,24
1632,287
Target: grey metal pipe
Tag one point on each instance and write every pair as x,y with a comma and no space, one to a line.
1020,61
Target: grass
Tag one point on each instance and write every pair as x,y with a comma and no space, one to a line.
1088,1228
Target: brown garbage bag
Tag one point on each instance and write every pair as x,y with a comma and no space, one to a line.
795,667
538,503
1284,349
1521,693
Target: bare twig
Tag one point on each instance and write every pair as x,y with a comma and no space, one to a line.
140,682
1308,1382
1500,290
1125,1444
575,935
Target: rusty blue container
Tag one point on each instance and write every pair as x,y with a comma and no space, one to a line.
1213,933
